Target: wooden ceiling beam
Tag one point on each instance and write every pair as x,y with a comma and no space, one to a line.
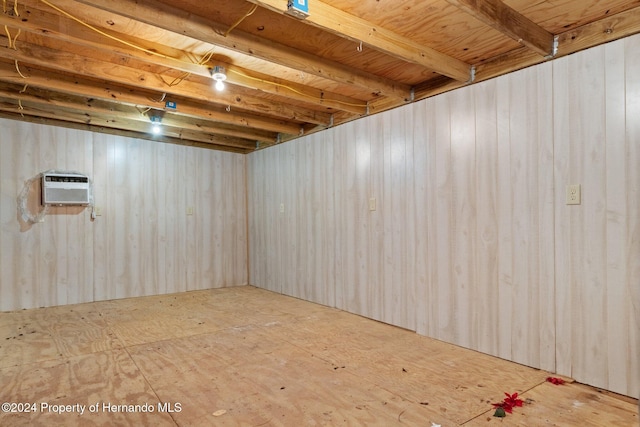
120,132
47,99
57,59
299,93
48,24
139,127
182,22
351,27
64,84
506,20
611,28
348,26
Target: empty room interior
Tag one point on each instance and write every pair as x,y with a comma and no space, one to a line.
319,213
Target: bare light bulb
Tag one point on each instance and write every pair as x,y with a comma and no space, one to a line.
219,75
156,129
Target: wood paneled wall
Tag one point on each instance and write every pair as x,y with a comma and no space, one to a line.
597,244
471,241
46,263
144,243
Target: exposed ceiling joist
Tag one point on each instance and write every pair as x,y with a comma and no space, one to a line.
508,21
181,22
109,65
137,77
108,120
608,29
92,107
614,27
358,30
91,90
120,131
153,53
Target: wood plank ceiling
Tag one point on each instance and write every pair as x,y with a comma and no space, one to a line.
112,65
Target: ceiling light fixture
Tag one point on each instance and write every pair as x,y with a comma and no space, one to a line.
156,122
219,76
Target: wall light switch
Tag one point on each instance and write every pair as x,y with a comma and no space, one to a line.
189,210
372,204
573,196
281,207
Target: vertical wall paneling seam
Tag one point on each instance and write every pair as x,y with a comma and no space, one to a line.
472,284
474,335
554,218
93,221
451,231
554,226
606,232
247,266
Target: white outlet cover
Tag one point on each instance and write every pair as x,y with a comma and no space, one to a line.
573,195
372,204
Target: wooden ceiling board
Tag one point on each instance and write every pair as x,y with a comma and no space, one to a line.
183,49
34,102
83,60
97,64
308,62
64,84
558,16
298,35
225,12
433,23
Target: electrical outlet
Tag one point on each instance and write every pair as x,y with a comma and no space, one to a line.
281,207
189,210
573,196
97,210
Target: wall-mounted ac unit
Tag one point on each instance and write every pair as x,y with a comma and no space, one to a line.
65,189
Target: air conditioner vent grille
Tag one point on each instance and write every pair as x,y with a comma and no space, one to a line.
65,189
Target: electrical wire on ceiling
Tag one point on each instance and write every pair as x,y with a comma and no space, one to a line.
20,107
12,45
103,33
144,110
12,41
206,58
250,12
162,98
294,89
174,82
18,70
14,10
